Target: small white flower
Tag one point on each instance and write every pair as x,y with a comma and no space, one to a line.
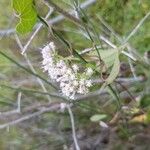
64,78
63,70
72,97
89,71
67,93
88,83
52,46
75,83
62,84
71,89
82,81
60,64
75,68
63,107
69,71
80,90
72,77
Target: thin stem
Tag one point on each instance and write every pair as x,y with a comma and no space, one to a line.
116,96
73,128
31,66
33,91
24,49
26,69
136,28
65,13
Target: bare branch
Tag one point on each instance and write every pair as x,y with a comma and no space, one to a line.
12,112
27,117
73,128
64,13
31,67
124,80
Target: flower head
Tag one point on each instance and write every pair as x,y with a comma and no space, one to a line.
70,82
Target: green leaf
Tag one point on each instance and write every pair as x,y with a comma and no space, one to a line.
111,59
115,69
98,117
145,101
21,5
108,56
27,15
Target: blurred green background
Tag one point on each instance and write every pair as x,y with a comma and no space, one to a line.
52,131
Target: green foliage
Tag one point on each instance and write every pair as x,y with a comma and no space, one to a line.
98,117
115,69
123,16
26,13
108,56
111,60
145,102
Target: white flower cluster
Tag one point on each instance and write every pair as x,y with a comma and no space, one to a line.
70,80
